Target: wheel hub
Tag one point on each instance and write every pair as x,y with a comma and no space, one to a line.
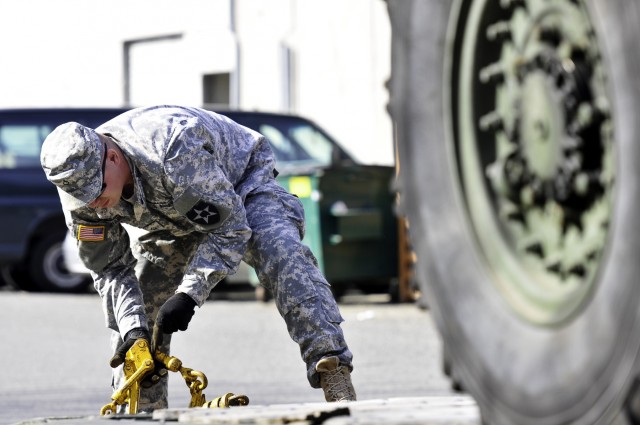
542,124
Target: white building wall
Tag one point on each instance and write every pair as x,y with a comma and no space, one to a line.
262,27
70,53
344,52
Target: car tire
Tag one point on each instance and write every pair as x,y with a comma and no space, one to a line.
47,269
577,367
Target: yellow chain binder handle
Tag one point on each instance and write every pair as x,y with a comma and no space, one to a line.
139,362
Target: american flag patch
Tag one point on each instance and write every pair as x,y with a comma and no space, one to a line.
90,233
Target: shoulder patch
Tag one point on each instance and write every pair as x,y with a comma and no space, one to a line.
90,233
204,214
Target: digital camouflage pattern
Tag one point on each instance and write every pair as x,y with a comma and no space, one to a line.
71,158
206,194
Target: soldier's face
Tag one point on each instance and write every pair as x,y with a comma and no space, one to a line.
112,183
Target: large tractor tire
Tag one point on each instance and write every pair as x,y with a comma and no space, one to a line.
518,129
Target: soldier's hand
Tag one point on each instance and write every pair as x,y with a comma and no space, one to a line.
176,313
159,370
129,339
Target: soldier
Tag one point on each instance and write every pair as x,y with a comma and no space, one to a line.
204,189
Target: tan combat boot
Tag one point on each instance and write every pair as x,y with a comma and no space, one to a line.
335,380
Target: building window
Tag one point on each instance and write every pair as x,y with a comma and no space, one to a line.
216,89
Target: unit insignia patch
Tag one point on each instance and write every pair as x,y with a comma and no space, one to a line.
204,214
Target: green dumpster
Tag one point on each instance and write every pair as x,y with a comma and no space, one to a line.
350,224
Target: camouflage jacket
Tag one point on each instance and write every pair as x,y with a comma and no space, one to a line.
192,170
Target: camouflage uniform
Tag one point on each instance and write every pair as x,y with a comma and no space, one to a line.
205,191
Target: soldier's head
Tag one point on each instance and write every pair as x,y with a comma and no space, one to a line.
87,168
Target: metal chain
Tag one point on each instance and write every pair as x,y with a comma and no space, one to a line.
129,393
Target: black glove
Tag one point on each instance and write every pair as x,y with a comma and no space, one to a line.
159,370
129,339
176,313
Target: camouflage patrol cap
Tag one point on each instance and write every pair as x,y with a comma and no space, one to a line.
71,158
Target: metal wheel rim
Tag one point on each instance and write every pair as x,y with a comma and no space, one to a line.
537,176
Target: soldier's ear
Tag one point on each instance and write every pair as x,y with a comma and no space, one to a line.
114,155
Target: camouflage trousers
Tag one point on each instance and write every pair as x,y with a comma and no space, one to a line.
283,264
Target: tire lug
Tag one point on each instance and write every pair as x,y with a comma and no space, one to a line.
500,31
586,116
601,106
511,213
581,183
573,162
495,174
527,196
491,122
493,73
572,143
586,113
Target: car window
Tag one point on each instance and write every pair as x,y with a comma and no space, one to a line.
23,132
295,143
20,144
314,142
284,148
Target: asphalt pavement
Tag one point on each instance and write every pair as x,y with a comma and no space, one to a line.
56,351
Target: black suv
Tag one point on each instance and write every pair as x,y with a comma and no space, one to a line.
350,222
31,222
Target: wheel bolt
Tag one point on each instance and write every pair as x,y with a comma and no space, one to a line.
491,122
493,73
500,31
